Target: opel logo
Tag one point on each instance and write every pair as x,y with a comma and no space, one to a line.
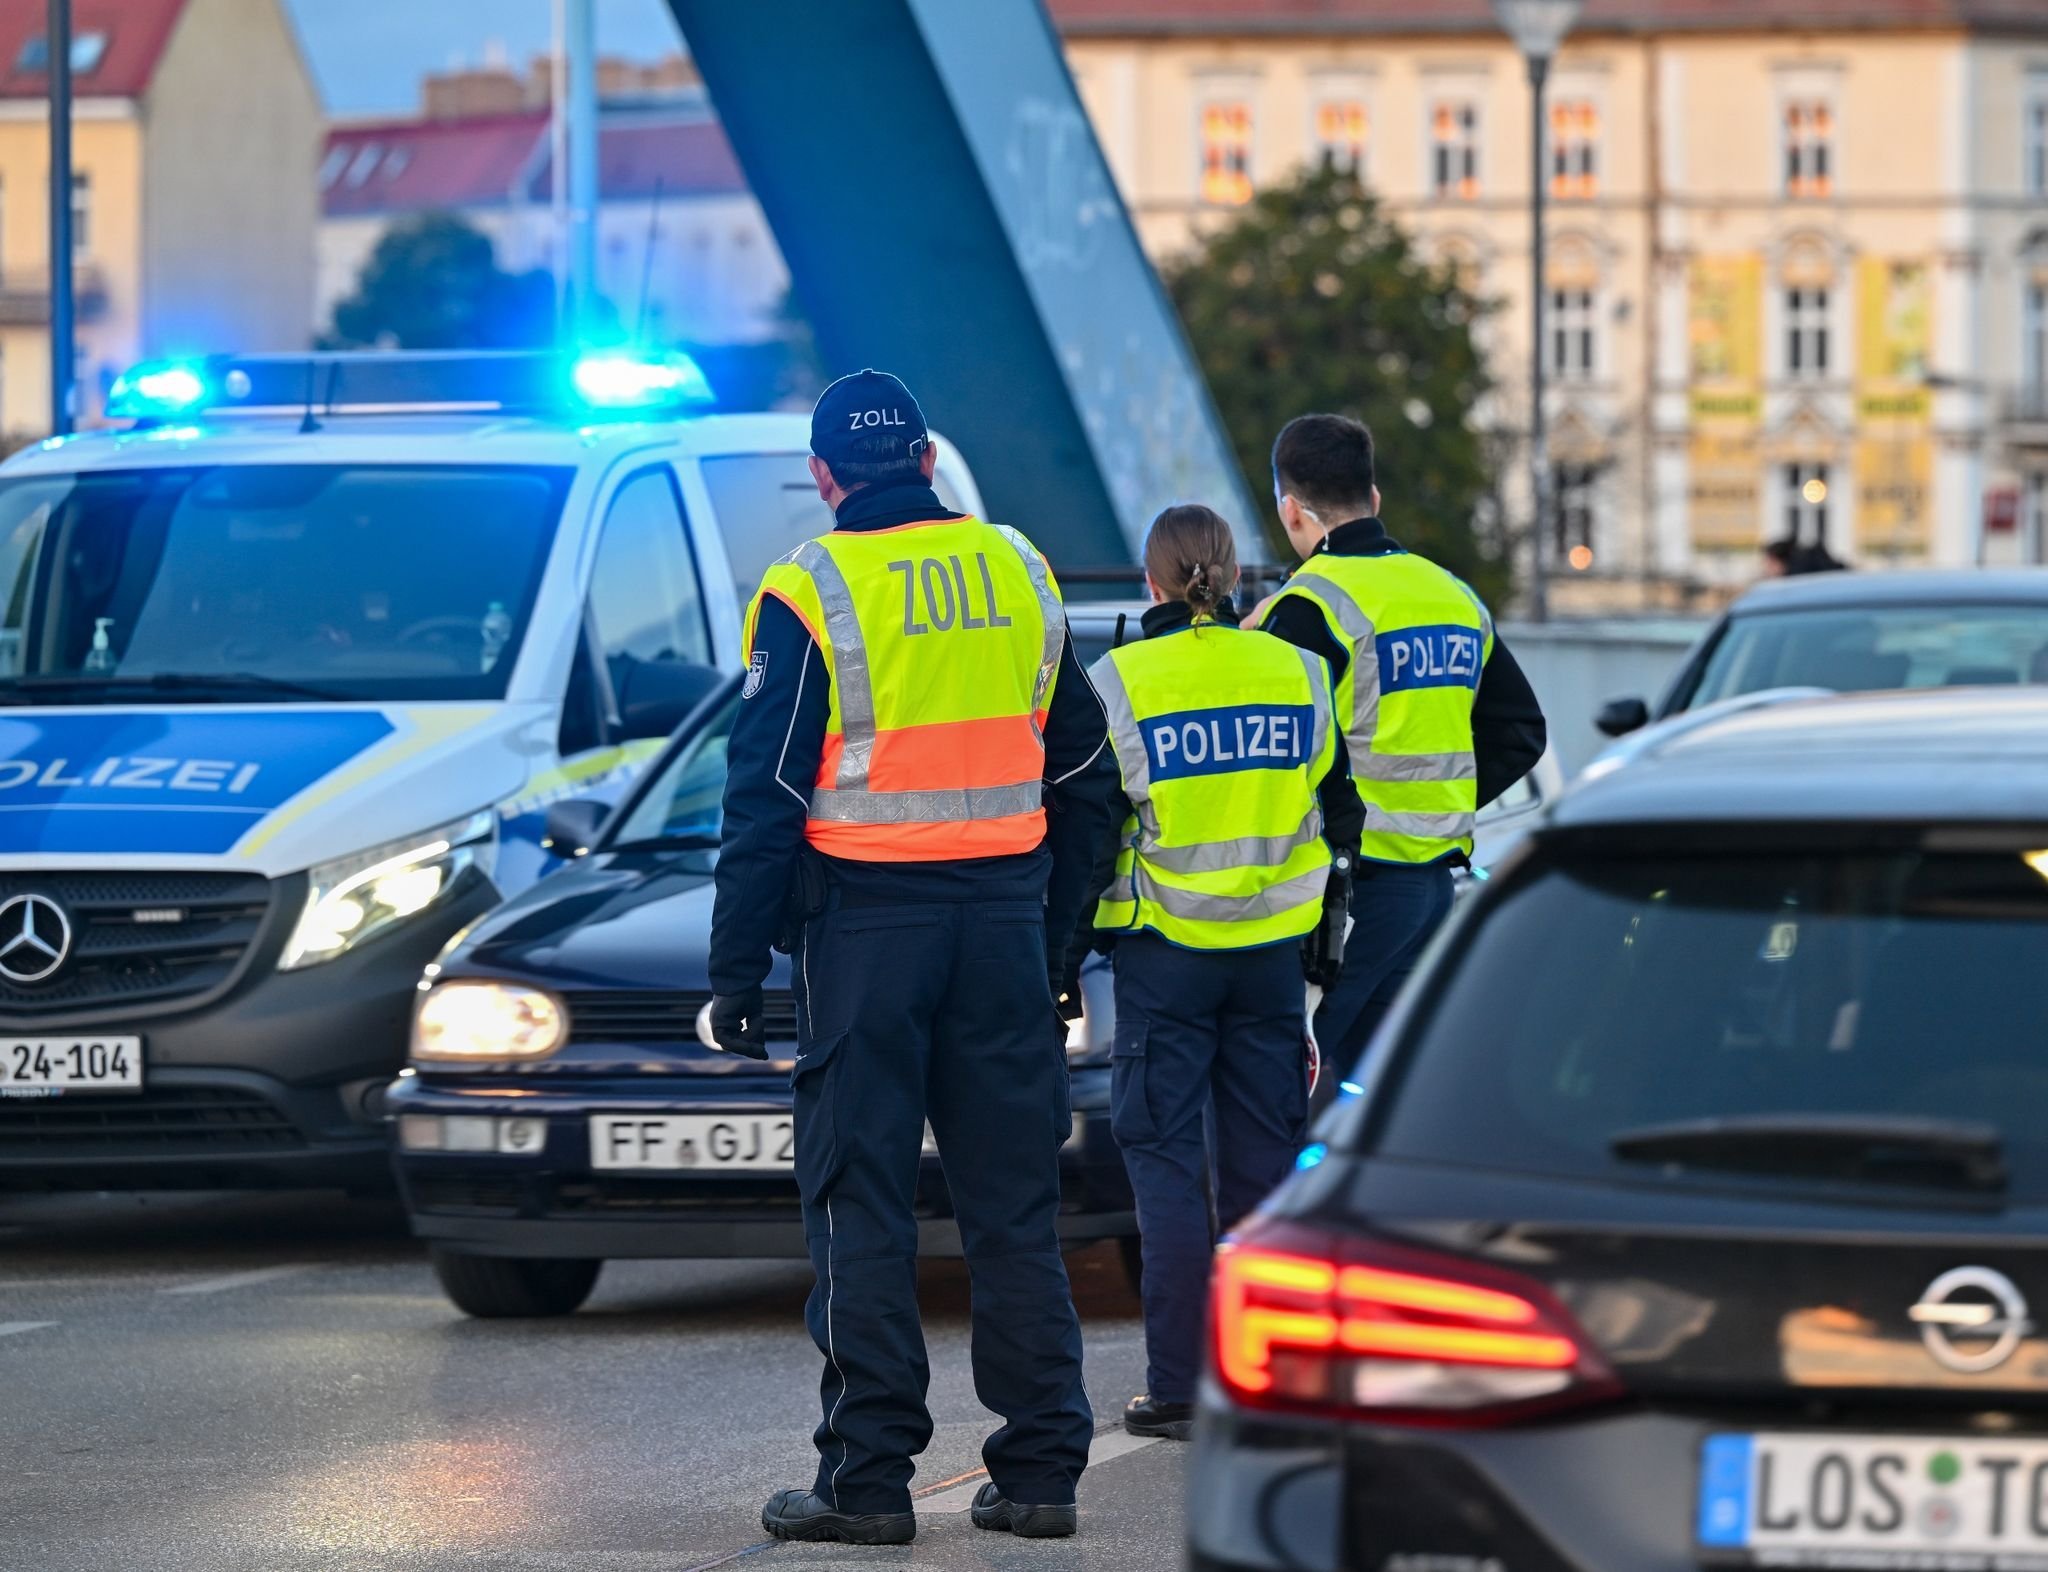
1971,1319
35,936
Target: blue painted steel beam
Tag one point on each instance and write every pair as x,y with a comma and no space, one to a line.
947,214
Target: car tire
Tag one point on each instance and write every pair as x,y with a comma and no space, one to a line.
1131,1249
495,1287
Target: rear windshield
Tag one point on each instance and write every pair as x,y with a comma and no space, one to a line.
1606,996
1869,649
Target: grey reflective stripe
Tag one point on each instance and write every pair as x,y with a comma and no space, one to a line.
1123,728
1319,696
849,664
1360,633
1423,826
1269,902
1245,851
1120,891
1055,617
1416,767
927,807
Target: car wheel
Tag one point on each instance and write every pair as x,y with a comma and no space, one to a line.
493,1286
1131,1248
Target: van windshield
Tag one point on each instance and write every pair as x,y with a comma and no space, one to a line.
298,582
1613,995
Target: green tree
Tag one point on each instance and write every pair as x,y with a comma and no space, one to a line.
433,282
1316,300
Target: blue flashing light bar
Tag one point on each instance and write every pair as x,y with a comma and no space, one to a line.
609,383
158,390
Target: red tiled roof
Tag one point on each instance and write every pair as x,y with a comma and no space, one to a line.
1476,16
134,33
420,164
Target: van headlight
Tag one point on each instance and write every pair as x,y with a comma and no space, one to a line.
471,1021
355,898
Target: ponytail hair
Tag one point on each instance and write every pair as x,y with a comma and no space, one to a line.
1191,555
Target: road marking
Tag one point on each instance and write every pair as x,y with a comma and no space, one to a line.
9,1328
220,1285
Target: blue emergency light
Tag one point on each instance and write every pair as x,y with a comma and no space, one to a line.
598,384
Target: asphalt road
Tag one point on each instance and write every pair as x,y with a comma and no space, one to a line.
269,1384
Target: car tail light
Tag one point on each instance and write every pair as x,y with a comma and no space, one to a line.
1401,1334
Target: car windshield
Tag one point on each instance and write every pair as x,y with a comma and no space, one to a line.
683,805
1617,995
767,505
1866,648
307,581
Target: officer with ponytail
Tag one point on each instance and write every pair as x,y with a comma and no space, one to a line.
1235,790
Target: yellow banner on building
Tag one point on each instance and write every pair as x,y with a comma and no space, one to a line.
1724,332
1724,490
1894,493
1894,340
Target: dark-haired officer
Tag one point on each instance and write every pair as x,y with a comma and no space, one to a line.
1437,717
917,734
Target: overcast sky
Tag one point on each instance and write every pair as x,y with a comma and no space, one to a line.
369,55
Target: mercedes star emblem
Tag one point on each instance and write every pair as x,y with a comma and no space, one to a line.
1971,1318
35,937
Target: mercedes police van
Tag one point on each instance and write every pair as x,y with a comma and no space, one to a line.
290,671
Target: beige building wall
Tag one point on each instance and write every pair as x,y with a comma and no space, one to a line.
1691,432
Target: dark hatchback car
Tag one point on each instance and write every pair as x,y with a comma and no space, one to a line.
1860,633
561,1109
1692,1207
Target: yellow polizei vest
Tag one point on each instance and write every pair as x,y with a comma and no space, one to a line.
1222,737
943,644
1419,638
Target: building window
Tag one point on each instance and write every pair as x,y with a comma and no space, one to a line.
81,215
1571,490
1341,126
1454,149
1574,149
2034,341
1806,331
1227,153
2034,518
1806,503
1809,148
1571,333
333,164
2035,153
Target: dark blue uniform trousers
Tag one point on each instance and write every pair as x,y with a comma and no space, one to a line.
1396,910
1192,1026
935,1010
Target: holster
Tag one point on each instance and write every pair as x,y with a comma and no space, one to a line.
1322,951
804,899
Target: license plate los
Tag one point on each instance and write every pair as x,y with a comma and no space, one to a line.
65,1066
694,1143
1875,1501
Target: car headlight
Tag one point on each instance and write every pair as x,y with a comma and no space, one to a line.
472,1021
353,898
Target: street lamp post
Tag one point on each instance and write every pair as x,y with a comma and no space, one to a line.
1537,27
63,371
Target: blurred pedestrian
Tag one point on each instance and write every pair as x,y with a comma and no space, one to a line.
912,707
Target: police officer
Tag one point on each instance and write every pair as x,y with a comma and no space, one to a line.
919,756
1435,714
1225,739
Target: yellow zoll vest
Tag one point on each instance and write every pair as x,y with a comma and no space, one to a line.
1223,737
1419,638
942,641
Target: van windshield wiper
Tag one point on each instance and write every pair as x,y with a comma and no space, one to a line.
42,685
1873,1148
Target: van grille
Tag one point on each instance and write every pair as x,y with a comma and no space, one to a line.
662,1016
169,1120
140,938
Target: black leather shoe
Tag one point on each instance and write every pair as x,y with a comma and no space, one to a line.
990,1510
1143,1416
799,1514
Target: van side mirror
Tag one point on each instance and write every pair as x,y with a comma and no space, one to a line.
657,696
1619,717
571,826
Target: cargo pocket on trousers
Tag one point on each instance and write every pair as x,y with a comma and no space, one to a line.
820,1151
1130,1112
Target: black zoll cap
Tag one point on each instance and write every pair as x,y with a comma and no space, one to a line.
857,414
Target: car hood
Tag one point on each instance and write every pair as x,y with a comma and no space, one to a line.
262,789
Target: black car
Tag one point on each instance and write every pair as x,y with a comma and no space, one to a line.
1860,633
561,1107
1692,1207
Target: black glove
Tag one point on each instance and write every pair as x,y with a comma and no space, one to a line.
1066,994
1322,951
737,1024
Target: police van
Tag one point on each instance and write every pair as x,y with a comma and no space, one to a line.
290,671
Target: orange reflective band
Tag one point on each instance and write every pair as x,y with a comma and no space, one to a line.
947,755
945,842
